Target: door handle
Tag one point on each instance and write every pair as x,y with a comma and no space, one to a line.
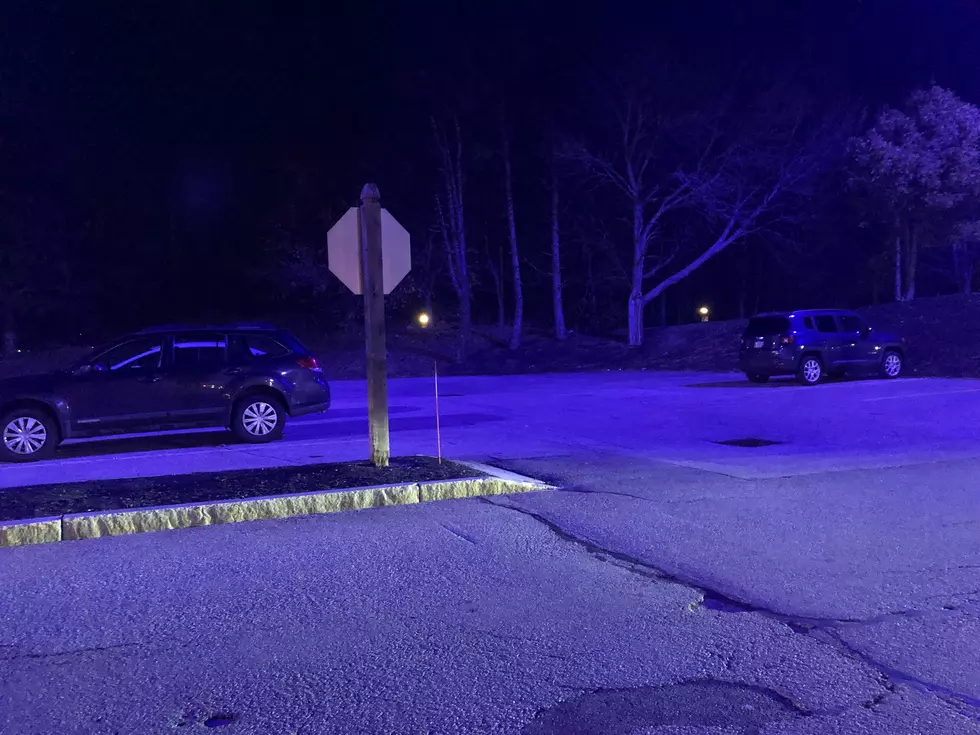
150,379
232,371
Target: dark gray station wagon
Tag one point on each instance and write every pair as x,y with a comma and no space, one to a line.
815,343
246,378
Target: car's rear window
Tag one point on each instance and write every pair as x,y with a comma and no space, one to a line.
766,326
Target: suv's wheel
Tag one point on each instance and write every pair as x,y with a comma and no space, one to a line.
27,435
811,370
755,378
258,418
891,364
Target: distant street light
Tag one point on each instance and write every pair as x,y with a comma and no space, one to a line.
704,312
423,319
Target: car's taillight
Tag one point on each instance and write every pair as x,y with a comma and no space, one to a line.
786,340
310,363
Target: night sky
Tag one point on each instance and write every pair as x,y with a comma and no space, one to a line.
127,127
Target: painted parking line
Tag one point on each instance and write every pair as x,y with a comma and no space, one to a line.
924,395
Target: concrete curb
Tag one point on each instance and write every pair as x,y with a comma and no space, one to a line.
31,531
97,524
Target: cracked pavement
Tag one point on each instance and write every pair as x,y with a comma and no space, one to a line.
672,586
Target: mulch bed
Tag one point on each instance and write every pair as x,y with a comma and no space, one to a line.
39,501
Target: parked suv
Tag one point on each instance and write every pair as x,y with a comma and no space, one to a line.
248,378
813,343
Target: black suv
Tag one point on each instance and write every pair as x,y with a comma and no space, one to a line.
248,378
817,342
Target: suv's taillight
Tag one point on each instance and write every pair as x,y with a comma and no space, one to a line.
310,363
786,340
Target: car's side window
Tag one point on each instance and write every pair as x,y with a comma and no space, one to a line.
851,323
199,350
137,354
253,346
825,323
808,322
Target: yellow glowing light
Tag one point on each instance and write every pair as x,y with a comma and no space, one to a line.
424,319
703,311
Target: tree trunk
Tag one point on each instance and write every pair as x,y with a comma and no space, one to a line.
636,318
453,228
636,301
556,291
898,267
663,309
963,266
911,262
496,274
465,324
515,336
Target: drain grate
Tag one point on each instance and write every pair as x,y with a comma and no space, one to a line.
749,442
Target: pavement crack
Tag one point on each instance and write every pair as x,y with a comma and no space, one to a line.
69,652
623,561
822,630
458,534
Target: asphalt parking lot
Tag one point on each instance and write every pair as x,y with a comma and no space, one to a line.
676,417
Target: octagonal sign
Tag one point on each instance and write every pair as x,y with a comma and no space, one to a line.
344,252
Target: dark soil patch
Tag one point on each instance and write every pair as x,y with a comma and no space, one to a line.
39,501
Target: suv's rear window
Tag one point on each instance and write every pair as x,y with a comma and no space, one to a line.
767,326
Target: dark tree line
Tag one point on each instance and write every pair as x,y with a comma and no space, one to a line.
620,197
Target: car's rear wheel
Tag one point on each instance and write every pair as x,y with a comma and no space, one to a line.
258,418
757,378
27,435
811,370
892,364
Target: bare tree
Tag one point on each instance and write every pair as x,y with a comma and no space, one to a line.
737,166
449,212
515,259
556,285
631,167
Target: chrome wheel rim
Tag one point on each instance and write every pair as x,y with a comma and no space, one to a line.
24,435
260,418
893,365
811,371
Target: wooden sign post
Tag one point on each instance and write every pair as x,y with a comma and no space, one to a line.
372,282
371,253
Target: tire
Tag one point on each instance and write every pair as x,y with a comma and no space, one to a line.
258,418
892,364
753,378
28,435
811,370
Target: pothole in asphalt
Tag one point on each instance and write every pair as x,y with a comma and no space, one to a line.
748,442
219,720
695,704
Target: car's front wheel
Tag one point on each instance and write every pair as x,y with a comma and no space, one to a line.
811,370
756,378
258,419
892,364
27,435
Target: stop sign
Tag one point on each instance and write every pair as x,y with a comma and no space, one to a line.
344,251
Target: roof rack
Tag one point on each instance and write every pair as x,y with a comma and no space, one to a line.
236,326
